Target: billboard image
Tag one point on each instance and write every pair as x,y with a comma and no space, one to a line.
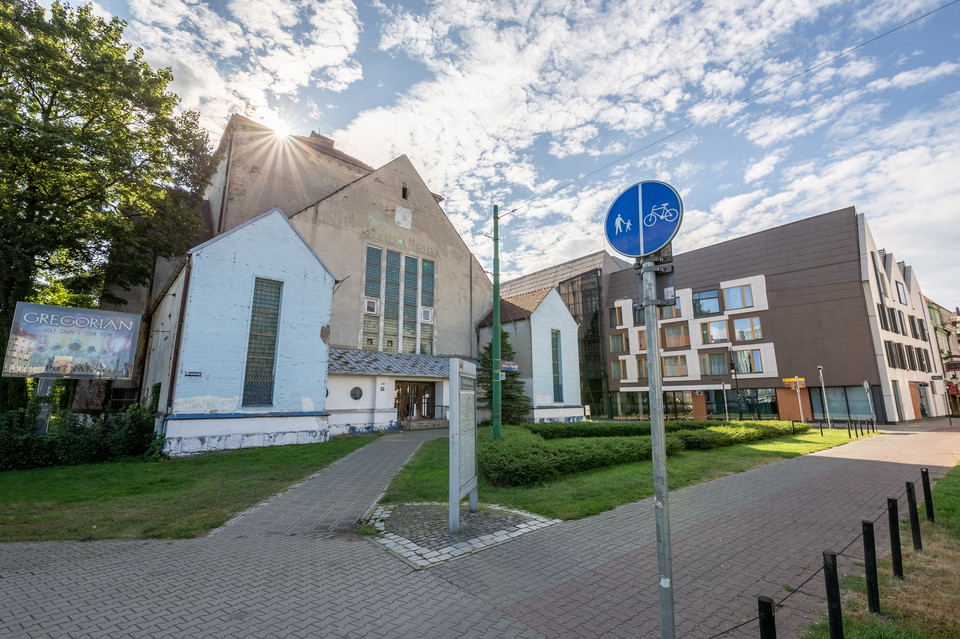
71,343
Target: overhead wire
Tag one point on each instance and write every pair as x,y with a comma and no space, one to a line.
738,103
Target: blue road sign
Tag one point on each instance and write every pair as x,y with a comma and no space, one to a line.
644,218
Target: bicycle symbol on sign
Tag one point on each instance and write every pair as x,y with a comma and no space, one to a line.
660,213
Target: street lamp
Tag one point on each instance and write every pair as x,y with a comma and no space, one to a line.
823,394
736,378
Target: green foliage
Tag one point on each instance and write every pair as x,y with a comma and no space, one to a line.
520,457
527,455
99,173
73,438
514,404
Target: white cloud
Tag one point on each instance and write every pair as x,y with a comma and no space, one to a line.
762,167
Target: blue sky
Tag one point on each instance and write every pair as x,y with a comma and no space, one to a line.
552,108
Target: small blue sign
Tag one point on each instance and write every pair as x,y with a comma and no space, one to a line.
644,218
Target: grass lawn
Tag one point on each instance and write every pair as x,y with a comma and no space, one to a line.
924,604
172,499
424,478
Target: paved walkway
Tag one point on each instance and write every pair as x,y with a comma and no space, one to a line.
734,538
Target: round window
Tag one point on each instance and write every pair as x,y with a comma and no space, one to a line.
356,392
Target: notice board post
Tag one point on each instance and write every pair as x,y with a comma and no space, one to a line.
463,438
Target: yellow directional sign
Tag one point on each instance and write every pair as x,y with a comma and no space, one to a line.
794,379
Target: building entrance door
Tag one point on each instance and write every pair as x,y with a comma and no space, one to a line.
414,400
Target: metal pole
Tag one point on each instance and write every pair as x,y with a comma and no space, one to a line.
873,414
799,401
664,553
495,364
823,390
726,405
736,378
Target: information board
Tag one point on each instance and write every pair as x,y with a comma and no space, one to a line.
463,438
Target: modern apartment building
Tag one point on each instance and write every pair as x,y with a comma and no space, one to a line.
811,298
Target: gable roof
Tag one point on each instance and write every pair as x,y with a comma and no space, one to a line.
255,220
353,361
517,308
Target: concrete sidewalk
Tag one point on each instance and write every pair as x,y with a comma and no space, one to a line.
755,533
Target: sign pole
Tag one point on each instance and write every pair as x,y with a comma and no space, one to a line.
799,402
495,367
648,293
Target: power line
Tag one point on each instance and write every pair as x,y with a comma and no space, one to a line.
740,102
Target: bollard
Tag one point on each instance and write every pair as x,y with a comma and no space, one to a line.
832,581
914,516
870,561
849,436
768,624
793,427
894,518
927,495
821,428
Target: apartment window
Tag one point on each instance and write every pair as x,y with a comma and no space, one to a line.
670,312
676,336
912,358
923,330
618,369
748,361
619,343
901,293
882,314
913,327
642,340
901,356
674,365
737,297
891,354
714,332
903,323
258,376
881,280
713,363
616,317
639,316
642,367
706,303
893,320
747,328
557,373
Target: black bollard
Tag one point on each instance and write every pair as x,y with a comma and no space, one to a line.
893,516
870,561
832,581
768,624
914,516
927,495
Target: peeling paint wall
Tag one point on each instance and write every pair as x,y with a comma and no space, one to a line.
208,386
374,212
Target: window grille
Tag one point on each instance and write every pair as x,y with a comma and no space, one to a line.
262,345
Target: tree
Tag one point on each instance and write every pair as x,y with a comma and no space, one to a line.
514,404
99,173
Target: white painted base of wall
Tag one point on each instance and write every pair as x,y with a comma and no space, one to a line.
354,422
560,414
185,437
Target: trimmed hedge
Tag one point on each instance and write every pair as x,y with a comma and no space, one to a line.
523,456
71,441
562,430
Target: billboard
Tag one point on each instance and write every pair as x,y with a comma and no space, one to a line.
71,343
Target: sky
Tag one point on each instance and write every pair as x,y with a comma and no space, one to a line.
758,112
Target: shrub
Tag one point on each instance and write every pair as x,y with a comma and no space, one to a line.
521,457
73,439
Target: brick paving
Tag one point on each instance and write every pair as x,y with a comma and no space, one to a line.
288,569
